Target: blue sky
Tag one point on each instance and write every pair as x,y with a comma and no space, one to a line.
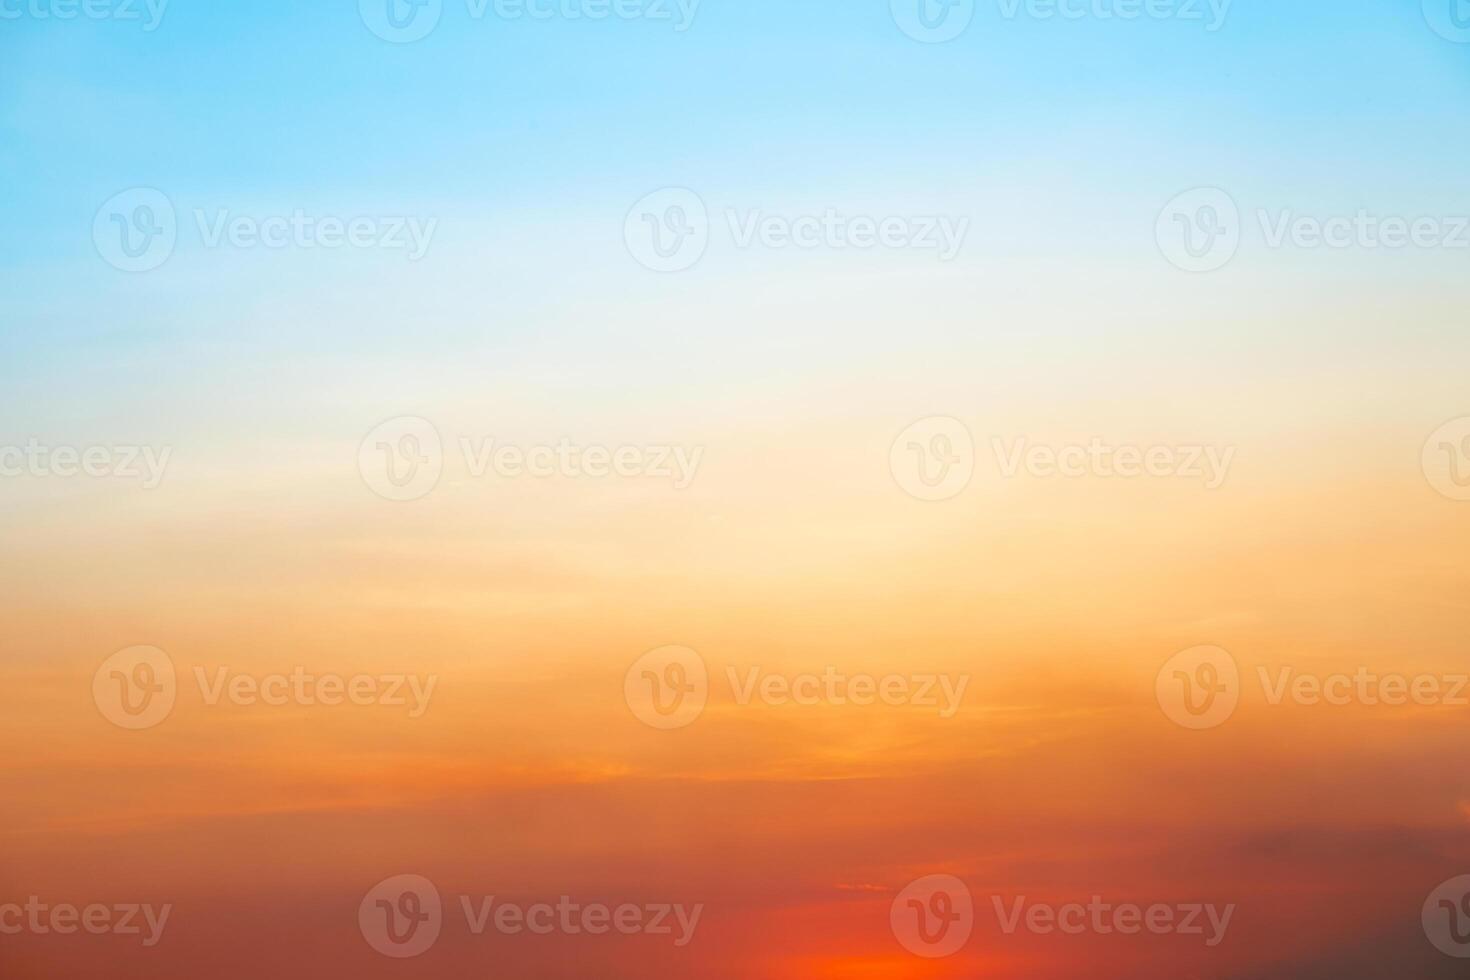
528,140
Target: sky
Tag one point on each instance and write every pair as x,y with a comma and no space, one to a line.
836,466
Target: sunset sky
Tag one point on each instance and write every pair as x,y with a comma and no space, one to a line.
288,398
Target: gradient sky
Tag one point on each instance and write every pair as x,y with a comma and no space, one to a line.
529,321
